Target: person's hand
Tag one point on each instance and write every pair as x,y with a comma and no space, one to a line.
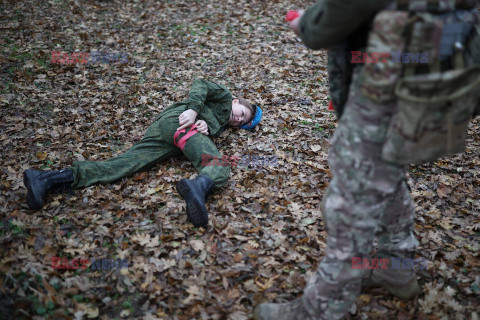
202,127
294,24
187,118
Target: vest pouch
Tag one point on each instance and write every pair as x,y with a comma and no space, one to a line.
432,116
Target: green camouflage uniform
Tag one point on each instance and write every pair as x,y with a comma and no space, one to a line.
212,101
368,198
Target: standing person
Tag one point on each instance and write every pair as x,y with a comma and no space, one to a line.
397,112
207,112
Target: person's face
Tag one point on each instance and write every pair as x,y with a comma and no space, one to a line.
240,114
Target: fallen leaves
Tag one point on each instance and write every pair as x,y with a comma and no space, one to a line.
197,245
266,234
41,155
146,240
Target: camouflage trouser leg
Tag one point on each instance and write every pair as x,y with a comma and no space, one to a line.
156,146
152,149
362,188
196,146
395,232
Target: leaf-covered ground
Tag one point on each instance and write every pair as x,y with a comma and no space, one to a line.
265,235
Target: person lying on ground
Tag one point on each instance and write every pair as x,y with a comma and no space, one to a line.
207,111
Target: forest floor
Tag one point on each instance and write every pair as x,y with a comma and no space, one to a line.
266,234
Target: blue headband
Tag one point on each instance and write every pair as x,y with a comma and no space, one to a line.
256,119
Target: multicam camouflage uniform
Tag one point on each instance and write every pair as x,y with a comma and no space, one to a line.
340,71
340,68
212,101
368,197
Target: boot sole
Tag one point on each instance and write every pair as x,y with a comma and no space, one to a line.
196,212
28,178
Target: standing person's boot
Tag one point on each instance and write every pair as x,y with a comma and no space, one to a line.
40,183
293,310
400,283
399,280
195,192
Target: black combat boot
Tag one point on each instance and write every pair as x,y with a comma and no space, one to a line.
40,183
195,192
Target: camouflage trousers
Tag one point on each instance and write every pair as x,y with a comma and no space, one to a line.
367,199
156,146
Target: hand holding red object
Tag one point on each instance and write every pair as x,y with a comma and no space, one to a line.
293,19
292,15
330,106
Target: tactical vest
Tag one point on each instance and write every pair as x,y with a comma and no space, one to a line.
434,80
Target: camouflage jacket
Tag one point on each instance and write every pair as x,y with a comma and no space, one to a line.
330,21
212,101
342,26
340,68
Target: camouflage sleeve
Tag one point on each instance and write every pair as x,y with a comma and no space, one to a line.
203,90
340,66
330,21
339,75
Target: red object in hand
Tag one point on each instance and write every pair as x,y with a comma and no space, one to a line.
330,106
292,15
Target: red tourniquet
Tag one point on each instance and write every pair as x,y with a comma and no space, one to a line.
181,143
330,106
